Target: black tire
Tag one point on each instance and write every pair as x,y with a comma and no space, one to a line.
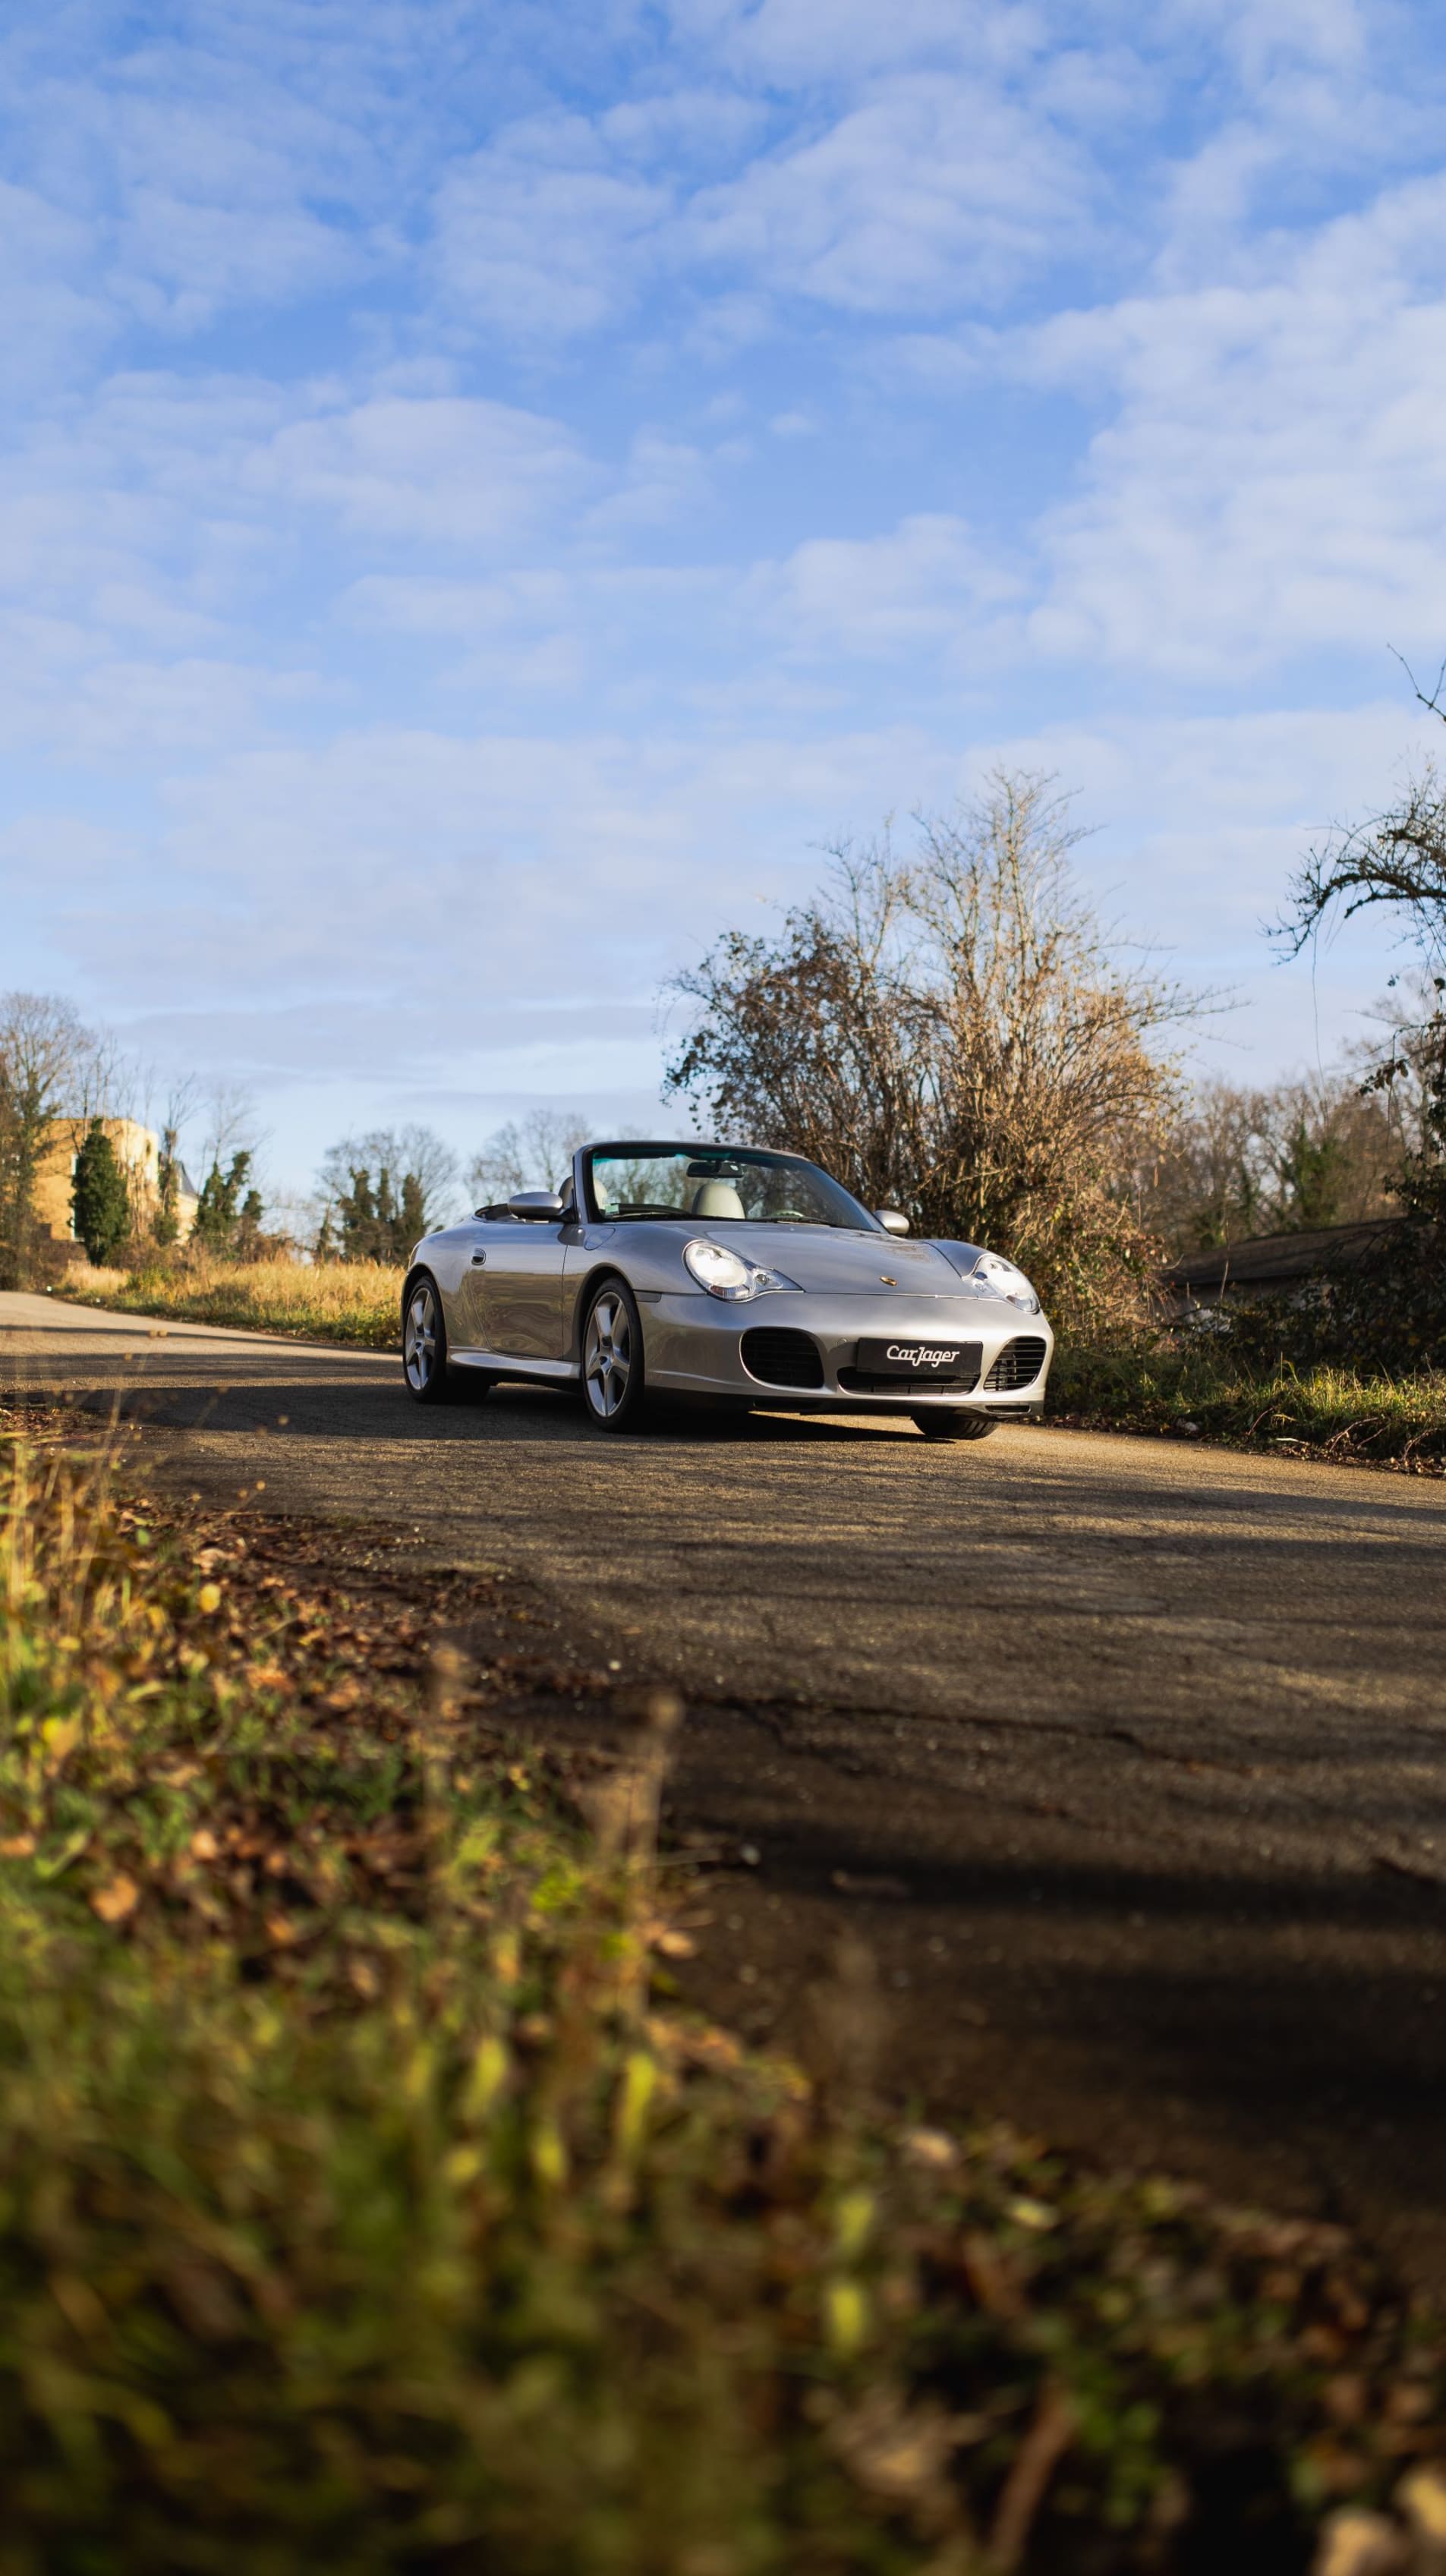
614,1389
954,1426
424,1343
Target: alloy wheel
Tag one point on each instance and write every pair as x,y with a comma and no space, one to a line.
419,1340
607,1363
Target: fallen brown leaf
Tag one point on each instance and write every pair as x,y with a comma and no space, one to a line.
114,1902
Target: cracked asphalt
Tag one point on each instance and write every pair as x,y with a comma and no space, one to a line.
1120,1764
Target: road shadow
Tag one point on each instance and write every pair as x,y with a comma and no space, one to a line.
326,1403
1282,2034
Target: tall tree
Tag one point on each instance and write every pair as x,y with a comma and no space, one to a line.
228,1213
957,1034
44,1052
166,1215
1393,1314
1396,859
166,1223
99,1197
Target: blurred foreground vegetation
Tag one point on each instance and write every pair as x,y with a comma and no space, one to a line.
366,2201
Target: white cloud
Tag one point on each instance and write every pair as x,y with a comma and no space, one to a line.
544,233
216,164
1272,480
447,470
926,584
931,195
795,43
414,875
51,315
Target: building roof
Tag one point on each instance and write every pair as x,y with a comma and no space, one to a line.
1279,1260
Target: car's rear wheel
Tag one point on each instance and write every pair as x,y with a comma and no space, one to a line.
424,1344
954,1426
612,1358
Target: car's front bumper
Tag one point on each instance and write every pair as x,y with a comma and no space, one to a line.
695,1345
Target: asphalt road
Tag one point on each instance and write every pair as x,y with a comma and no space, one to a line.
1125,1759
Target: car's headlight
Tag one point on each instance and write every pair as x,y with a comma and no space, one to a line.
727,1274
1006,1281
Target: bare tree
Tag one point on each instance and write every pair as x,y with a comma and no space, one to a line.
180,1107
45,1057
231,1124
529,1153
1401,1063
957,1033
1311,1151
1398,859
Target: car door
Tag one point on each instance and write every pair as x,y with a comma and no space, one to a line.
465,1317
513,1294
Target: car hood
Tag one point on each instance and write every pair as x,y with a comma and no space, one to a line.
840,1264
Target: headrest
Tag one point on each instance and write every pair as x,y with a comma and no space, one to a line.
717,1198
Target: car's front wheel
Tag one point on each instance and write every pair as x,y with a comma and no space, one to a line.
424,1343
954,1426
612,1358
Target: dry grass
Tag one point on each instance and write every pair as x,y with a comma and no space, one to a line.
365,2202
353,1301
1197,1388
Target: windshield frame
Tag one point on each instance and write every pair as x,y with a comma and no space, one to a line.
674,1146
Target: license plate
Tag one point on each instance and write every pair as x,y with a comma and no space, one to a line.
914,1355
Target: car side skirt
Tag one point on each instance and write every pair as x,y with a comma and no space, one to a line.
557,1372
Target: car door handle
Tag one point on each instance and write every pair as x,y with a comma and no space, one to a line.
478,1260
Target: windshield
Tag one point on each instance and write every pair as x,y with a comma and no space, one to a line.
719,1187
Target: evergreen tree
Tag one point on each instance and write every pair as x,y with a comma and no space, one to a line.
381,1193
100,1202
166,1223
219,1210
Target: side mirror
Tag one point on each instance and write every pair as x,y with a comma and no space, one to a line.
535,1203
891,1221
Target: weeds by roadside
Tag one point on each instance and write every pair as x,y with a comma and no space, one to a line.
365,2202
1202,1389
337,1301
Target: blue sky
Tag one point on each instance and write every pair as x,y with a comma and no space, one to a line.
489,490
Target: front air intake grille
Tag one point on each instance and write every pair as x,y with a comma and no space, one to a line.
1018,1364
780,1357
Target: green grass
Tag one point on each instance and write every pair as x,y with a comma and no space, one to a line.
1196,1388
367,2202
353,1301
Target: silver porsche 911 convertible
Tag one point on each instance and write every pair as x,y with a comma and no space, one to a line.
728,1272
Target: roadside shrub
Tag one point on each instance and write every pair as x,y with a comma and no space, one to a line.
956,1035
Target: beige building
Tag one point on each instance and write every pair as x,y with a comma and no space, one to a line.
137,1150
